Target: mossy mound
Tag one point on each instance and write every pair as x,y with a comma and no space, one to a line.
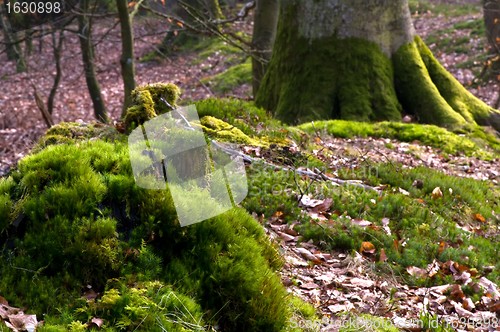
72,218
479,143
224,131
148,101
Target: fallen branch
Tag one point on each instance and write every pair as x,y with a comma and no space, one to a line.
47,117
316,174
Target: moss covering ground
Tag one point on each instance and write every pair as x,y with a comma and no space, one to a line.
231,78
72,216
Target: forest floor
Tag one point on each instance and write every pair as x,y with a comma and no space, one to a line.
333,281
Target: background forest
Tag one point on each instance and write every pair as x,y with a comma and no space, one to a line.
390,224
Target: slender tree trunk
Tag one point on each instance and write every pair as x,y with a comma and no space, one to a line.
57,44
264,33
13,47
360,60
85,37
127,57
213,8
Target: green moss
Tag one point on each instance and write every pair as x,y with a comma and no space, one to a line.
224,131
327,78
418,93
253,121
231,78
76,218
460,99
426,134
148,102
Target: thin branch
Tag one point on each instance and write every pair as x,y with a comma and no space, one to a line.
240,16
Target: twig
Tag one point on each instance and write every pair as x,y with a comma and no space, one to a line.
241,14
47,117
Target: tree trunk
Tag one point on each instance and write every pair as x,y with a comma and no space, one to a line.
360,60
127,57
491,11
213,8
85,37
13,48
264,33
57,44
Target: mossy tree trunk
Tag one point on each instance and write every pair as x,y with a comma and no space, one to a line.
264,33
361,60
85,37
127,56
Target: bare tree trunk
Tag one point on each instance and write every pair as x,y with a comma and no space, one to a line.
360,60
85,36
127,57
56,48
264,33
13,48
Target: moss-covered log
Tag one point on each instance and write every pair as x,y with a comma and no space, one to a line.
360,60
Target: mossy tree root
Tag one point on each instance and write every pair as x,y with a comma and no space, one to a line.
428,91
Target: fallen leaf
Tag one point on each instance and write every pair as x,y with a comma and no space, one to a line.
307,255
404,192
361,222
323,206
383,256
479,217
309,285
442,246
437,193
416,271
367,248
96,322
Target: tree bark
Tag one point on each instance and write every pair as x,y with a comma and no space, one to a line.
360,60
213,8
264,33
491,12
127,56
57,45
85,37
13,48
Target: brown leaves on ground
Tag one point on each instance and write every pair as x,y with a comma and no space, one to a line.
15,319
336,283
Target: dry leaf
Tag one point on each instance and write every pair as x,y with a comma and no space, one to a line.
479,217
309,285
367,248
442,246
96,322
416,271
383,256
307,255
437,193
361,222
